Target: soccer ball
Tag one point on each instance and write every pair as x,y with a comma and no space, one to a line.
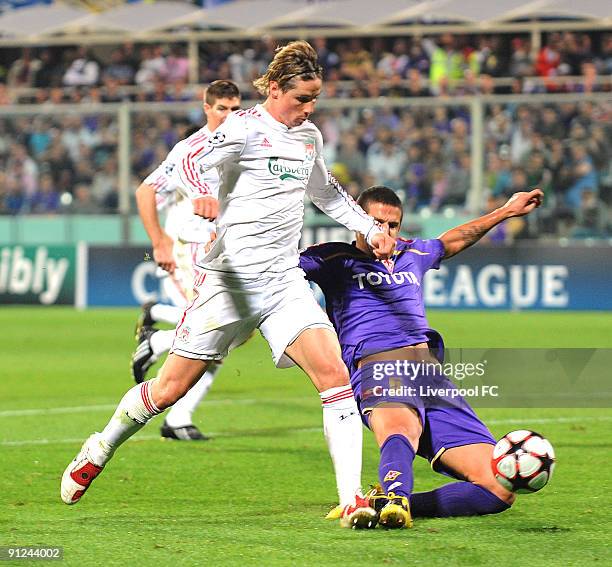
523,461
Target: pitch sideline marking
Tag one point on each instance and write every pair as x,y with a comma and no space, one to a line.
302,430
221,401
108,407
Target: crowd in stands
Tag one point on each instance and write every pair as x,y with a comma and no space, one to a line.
357,67
423,152
69,162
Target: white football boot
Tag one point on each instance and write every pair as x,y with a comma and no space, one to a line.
80,473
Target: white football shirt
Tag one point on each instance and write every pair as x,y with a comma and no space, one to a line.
264,169
181,223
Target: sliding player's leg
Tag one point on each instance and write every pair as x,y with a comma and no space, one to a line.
460,446
138,406
397,429
317,352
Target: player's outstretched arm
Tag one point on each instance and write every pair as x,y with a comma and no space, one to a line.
329,196
161,242
461,237
332,199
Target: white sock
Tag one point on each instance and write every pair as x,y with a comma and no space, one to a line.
166,313
135,409
343,431
161,341
181,413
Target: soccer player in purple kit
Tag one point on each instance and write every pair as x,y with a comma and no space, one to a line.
377,309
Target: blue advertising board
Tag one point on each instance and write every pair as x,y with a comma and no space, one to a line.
121,276
525,276
483,277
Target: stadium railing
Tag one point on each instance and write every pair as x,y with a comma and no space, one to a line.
132,127
531,84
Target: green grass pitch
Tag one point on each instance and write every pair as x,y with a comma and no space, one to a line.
257,493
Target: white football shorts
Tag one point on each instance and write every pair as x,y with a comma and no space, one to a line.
178,286
227,309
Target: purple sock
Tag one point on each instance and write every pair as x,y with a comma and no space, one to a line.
456,499
395,468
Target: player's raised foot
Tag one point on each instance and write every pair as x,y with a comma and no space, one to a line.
187,433
360,515
143,357
395,513
144,319
80,473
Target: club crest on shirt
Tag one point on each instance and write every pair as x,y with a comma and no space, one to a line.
392,475
183,334
309,148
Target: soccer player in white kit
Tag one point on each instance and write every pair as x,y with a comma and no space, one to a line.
267,158
176,249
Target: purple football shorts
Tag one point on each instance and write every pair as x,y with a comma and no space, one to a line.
447,423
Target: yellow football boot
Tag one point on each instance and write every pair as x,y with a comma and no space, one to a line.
395,513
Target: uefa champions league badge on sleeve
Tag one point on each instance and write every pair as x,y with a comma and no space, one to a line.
217,138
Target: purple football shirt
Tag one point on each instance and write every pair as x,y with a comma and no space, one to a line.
374,305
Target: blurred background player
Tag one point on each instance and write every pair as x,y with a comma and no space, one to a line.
176,248
378,312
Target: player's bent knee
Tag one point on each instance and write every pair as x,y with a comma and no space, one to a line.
411,431
488,482
175,378
410,434
332,374
396,421
496,489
